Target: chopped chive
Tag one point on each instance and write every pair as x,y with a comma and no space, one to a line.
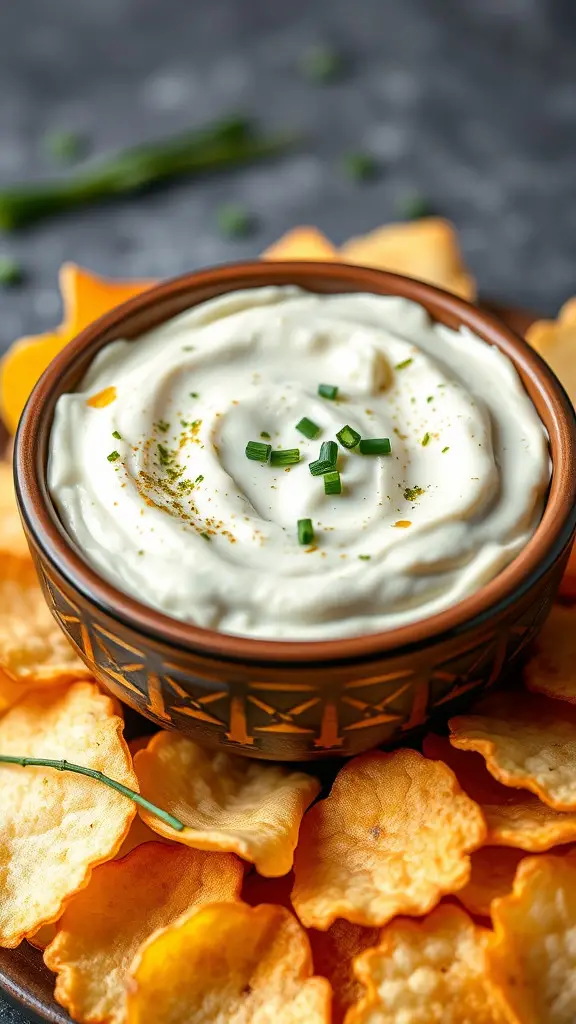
403,364
205,535
308,428
305,531
113,456
348,437
364,558
375,446
117,435
360,166
425,439
285,457
258,452
332,482
446,449
163,426
430,398
199,479
328,452
234,220
321,64
411,493
265,434
321,466
194,394
328,391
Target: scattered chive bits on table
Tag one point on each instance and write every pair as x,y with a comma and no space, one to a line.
258,452
307,427
328,391
348,437
305,531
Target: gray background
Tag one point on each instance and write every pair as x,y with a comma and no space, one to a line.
471,103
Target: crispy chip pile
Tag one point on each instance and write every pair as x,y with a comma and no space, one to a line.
555,340
552,667
227,803
427,249
229,964
526,742
393,836
333,954
55,827
533,957
127,900
430,972
514,817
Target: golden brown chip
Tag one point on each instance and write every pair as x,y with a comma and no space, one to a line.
333,954
493,871
427,249
33,648
527,741
533,956
227,803
302,244
551,669
555,340
393,837
127,900
228,964
43,936
56,827
428,972
12,539
514,817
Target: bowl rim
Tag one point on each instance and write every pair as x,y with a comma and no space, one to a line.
551,537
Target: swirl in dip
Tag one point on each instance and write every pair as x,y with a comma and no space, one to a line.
149,473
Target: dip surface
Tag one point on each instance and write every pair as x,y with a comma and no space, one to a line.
149,474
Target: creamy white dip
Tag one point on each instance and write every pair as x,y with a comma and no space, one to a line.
151,479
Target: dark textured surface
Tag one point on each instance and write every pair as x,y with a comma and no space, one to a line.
470,103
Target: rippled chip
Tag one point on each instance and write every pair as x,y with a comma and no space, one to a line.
306,243
430,971
514,817
555,340
56,827
227,803
333,954
526,741
127,900
533,958
552,667
33,648
427,249
12,539
492,876
229,963
393,837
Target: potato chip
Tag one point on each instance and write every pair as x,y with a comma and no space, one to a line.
514,817
12,539
227,803
228,964
393,837
86,297
333,954
555,341
56,827
428,972
492,876
257,889
127,900
533,956
426,249
527,741
301,244
33,648
43,936
552,666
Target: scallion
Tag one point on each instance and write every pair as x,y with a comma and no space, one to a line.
258,452
308,428
328,391
403,364
285,457
305,531
375,446
348,437
332,482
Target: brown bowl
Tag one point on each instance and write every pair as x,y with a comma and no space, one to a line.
295,700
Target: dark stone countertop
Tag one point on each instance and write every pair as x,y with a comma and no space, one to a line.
471,103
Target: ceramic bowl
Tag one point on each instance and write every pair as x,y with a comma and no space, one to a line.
295,700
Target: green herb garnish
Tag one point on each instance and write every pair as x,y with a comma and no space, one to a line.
199,479
64,147
446,449
113,456
332,482
360,166
348,437
285,457
194,394
328,391
430,398
326,460
308,428
364,558
411,493
117,435
375,446
425,439
415,207
164,455
305,531
264,433
258,452
234,220
11,273
403,364
66,766
322,64
162,426
205,535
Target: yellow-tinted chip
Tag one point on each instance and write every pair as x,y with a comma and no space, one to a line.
527,741
551,669
533,957
56,827
429,972
127,900
227,803
555,340
228,964
393,837
427,249
305,243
